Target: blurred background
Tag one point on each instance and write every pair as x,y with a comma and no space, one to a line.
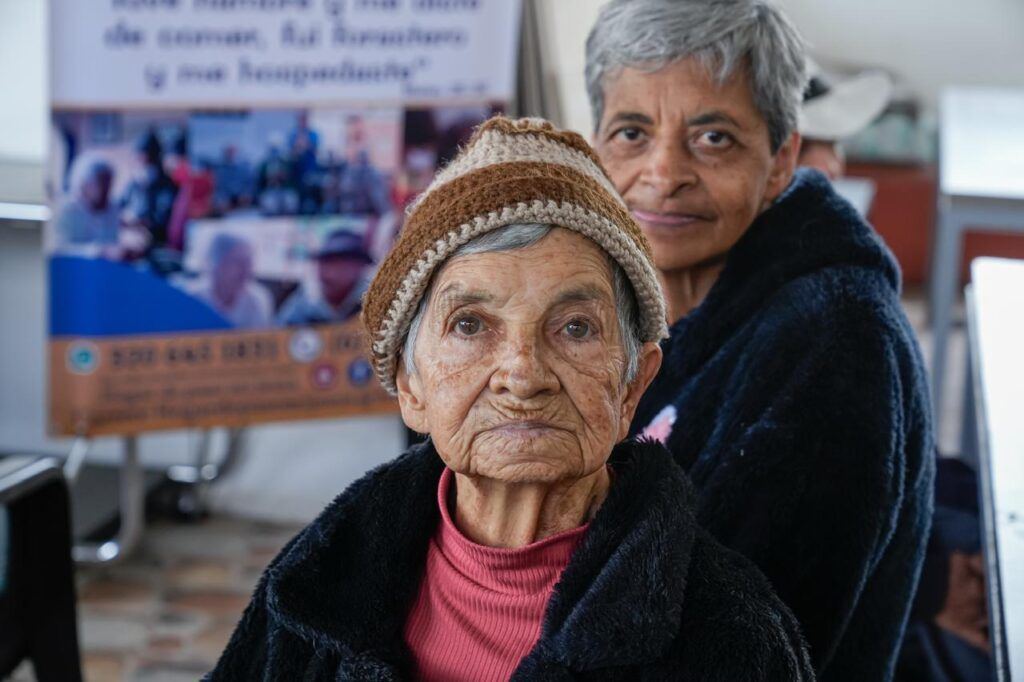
164,611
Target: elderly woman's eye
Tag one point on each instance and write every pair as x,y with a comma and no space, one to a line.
468,326
578,329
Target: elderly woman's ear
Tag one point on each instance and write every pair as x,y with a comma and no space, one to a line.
410,400
647,369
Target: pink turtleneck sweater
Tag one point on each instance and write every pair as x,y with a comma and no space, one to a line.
479,609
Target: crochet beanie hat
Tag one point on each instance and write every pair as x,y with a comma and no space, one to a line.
510,172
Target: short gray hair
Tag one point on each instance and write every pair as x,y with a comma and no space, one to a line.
512,237
722,34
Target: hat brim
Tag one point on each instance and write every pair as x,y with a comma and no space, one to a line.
848,107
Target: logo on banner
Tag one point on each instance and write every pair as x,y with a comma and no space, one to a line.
360,372
324,375
83,357
305,346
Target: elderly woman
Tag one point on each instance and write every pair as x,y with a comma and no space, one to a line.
516,319
229,287
792,389
88,219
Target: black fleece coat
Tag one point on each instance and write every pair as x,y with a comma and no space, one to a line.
647,595
802,418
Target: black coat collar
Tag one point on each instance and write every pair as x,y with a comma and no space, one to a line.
809,228
347,582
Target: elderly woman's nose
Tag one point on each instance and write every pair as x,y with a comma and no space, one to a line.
669,167
523,371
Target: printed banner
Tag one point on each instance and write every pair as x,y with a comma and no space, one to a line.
221,53
209,245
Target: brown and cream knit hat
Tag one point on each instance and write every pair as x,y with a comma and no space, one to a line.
510,172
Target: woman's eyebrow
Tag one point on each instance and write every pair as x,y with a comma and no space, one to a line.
454,295
582,294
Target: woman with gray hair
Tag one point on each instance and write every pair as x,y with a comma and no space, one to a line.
517,320
229,287
88,219
792,390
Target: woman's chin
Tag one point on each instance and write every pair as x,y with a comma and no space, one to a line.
519,460
524,472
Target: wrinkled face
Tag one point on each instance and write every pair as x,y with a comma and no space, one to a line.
233,272
519,364
337,277
692,159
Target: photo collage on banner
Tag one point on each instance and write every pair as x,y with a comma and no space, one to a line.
208,259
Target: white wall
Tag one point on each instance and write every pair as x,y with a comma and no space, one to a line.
930,43
23,79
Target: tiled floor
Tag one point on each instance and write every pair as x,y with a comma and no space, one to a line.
166,613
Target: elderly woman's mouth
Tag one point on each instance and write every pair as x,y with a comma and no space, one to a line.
666,220
523,427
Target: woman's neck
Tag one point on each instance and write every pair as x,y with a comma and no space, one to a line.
498,514
686,288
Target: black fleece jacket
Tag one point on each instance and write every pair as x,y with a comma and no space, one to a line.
795,398
647,595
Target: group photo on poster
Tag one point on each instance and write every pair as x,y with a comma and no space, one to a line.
270,218
171,224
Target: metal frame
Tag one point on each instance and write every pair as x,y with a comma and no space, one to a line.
955,215
199,475
131,506
196,477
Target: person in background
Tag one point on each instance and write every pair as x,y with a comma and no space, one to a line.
948,630
228,286
303,153
177,164
341,275
948,637
419,151
276,184
234,185
303,144
149,199
89,218
792,390
525,540
195,191
362,188
834,111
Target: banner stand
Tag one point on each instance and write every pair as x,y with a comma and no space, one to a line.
194,479
131,504
224,180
